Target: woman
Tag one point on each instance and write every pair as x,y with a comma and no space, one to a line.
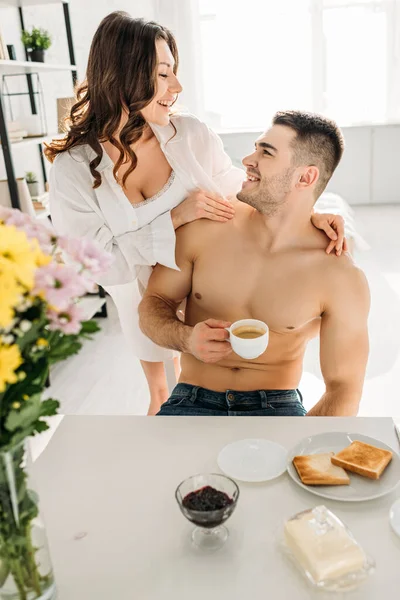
128,173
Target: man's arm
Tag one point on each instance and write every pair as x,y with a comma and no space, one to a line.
167,288
344,345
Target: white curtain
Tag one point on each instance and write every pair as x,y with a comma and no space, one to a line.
182,17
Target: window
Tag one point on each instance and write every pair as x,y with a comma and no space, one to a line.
330,56
356,60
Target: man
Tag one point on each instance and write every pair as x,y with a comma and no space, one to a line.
267,263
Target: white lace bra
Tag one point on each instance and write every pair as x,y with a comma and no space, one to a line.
170,195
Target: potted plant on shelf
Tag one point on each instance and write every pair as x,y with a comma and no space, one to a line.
33,184
41,323
36,42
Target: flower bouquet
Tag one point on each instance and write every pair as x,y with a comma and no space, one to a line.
41,323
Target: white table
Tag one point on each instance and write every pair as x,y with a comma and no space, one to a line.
116,533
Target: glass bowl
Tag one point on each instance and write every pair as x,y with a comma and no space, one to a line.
208,500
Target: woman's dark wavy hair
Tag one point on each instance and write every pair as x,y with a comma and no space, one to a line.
121,73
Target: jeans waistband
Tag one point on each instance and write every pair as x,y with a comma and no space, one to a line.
185,390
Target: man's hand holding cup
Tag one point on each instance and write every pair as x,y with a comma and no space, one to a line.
214,340
209,341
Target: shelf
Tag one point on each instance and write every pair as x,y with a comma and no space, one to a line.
16,3
27,66
91,305
42,214
35,140
42,198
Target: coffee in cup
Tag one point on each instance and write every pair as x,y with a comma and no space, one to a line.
249,338
247,332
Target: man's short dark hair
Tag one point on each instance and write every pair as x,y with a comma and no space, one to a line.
318,142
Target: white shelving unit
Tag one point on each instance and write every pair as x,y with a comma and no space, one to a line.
28,66
36,140
22,3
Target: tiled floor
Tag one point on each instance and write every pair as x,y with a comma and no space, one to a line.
105,379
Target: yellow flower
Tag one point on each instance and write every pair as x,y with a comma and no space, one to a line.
10,292
17,256
25,397
16,405
41,259
10,360
41,295
42,343
6,315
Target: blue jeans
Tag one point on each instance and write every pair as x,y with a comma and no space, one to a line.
189,400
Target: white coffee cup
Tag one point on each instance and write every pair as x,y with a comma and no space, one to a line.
249,348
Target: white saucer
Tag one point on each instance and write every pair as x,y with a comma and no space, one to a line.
253,460
394,517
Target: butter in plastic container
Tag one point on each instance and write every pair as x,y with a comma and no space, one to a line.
325,551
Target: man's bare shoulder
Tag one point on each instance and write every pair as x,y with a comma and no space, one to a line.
344,281
196,233
202,231
339,266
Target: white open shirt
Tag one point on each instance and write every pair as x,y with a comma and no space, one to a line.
196,155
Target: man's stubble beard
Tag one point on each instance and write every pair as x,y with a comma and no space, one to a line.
271,194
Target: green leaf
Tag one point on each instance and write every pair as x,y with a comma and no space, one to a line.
36,374
90,327
37,38
49,407
63,350
4,571
25,416
14,439
19,437
21,491
41,426
35,332
33,496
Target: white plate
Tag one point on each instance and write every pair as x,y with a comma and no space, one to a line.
253,460
360,488
394,517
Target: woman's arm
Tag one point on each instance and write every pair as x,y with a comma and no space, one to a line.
201,204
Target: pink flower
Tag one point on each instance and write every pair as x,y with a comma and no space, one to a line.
68,320
43,232
60,284
12,216
87,253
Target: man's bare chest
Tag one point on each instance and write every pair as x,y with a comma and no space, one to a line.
283,290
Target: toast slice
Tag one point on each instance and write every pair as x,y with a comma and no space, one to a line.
363,459
317,469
